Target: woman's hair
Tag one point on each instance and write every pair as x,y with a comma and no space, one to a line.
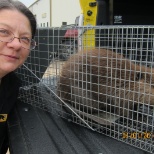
16,5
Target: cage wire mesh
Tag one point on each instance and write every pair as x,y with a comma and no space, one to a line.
98,77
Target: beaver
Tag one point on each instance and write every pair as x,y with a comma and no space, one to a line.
102,80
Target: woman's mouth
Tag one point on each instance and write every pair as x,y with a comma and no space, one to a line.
11,57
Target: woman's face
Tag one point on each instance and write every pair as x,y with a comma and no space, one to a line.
12,54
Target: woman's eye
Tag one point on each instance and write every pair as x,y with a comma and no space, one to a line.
25,40
4,32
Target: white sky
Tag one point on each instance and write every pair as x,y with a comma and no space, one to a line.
27,2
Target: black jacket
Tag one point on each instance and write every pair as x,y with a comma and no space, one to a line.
9,89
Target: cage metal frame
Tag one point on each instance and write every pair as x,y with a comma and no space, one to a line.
41,71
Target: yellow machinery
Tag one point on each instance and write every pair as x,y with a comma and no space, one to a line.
89,13
94,13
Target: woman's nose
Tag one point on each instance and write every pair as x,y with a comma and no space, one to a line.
15,43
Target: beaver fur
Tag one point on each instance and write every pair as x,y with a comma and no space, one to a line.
102,80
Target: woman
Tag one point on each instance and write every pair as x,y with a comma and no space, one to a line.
17,30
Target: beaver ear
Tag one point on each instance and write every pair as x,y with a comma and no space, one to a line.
139,75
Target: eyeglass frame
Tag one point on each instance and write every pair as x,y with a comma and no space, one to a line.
13,37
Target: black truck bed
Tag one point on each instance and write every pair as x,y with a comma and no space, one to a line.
35,131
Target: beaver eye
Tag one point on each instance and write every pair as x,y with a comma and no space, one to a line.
139,76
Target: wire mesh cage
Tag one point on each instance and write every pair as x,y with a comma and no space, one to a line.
99,77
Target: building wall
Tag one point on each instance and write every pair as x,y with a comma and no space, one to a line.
51,13
65,11
41,9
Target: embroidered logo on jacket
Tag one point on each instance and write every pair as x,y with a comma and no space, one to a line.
3,117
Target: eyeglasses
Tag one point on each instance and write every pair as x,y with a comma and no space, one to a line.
8,36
